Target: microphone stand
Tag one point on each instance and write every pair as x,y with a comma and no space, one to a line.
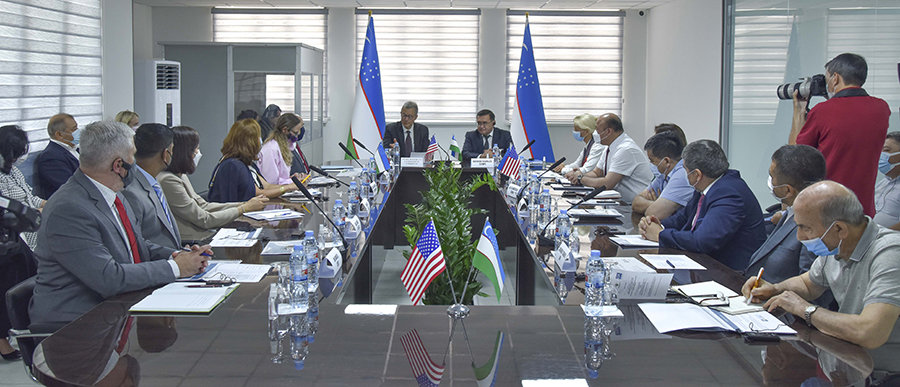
323,173
347,151
530,143
544,241
308,196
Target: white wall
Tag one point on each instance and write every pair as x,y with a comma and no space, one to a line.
180,24
117,74
634,76
684,66
342,79
142,19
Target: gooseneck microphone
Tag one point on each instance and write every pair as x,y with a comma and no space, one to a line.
309,197
530,143
355,141
553,166
323,173
587,197
347,151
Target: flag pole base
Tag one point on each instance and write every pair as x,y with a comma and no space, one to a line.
458,311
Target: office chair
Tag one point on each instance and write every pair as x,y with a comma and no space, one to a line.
17,300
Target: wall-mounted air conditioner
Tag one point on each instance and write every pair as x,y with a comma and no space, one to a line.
157,91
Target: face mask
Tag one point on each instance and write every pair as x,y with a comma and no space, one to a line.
772,189
828,92
197,158
694,186
656,172
302,132
884,165
75,137
817,247
578,136
293,138
128,177
604,137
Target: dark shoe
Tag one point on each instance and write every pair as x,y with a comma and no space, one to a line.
14,355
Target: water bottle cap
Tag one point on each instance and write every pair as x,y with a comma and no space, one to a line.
338,201
563,212
352,184
298,364
365,169
310,233
298,247
595,254
593,374
546,190
310,339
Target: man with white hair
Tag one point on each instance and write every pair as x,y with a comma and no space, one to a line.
89,246
857,259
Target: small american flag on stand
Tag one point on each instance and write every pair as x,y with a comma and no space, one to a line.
425,263
432,147
427,372
509,166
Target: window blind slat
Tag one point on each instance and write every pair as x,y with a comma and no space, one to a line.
760,59
874,34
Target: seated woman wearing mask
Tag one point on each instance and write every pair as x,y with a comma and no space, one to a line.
590,155
14,145
130,118
887,191
236,178
195,216
276,156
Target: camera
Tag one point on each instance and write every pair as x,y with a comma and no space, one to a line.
808,87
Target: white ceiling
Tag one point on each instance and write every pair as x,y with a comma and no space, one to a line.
503,4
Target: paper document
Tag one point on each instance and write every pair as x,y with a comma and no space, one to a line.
552,175
633,241
273,215
240,272
718,297
319,180
594,213
179,297
233,233
603,311
676,317
351,173
672,262
594,202
280,247
634,280
570,187
225,242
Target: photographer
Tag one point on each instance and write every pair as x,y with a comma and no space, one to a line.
849,128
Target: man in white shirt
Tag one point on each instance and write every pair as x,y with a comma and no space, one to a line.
623,167
887,191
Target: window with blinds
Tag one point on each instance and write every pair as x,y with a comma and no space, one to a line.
761,41
49,63
874,34
430,57
578,56
307,26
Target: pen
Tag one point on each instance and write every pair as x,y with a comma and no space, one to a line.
755,284
205,286
189,250
305,178
670,264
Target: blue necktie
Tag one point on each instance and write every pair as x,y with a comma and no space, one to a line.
162,200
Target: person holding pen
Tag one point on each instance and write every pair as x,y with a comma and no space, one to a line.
275,157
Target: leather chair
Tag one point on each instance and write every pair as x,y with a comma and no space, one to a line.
17,299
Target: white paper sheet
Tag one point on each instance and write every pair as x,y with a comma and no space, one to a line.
634,280
679,262
227,242
280,247
594,213
273,215
633,241
242,272
675,317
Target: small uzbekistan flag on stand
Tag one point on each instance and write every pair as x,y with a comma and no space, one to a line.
487,258
454,148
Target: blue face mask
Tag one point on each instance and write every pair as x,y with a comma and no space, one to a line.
656,173
884,164
75,137
817,247
578,136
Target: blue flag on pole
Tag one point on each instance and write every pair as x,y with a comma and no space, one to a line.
528,122
367,122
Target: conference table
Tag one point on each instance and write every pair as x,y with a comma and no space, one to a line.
367,336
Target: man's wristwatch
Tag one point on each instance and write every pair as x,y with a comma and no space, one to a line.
807,315
579,178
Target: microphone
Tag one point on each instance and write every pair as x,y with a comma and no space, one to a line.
552,166
445,151
323,173
355,141
530,143
587,197
347,151
324,214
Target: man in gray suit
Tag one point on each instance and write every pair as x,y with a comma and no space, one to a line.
89,247
154,153
793,168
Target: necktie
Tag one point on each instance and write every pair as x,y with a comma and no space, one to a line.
125,332
487,142
162,200
697,215
126,223
303,159
606,161
587,151
408,144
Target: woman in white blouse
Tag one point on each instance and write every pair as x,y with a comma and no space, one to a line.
590,155
13,145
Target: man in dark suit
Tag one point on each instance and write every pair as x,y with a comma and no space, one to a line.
410,136
89,247
793,168
59,160
480,141
723,218
154,153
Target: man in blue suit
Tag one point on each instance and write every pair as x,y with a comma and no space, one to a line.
59,160
722,220
480,141
794,167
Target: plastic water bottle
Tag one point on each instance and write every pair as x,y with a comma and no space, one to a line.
574,242
364,187
544,208
523,174
563,229
395,160
311,252
338,216
299,293
534,184
299,340
593,344
352,200
532,218
373,166
594,282
312,314
496,150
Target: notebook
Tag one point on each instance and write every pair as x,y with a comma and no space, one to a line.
181,297
718,297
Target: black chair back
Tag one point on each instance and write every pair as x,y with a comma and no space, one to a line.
17,300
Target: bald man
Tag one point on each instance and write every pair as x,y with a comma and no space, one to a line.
623,167
857,259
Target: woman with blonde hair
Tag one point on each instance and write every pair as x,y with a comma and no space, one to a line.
584,132
236,178
276,156
130,118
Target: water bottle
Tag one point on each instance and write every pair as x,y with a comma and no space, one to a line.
532,218
299,280
544,208
299,340
544,163
338,216
364,187
574,242
352,200
523,174
496,150
273,316
373,166
563,229
534,184
312,314
593,344
395,160
594,282
311,252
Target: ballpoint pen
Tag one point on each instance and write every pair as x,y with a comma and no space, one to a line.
755,285
189,250
670,263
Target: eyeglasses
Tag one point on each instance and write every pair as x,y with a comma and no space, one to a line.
408,116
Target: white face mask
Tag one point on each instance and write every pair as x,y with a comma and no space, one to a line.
197,158
772,189
830,93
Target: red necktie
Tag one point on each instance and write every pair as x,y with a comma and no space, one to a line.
697,215
124,338
302,158
126,223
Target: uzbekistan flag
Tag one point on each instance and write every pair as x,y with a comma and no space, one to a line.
427,372
486,375
487,258
367,124
432,147
454,148
425,263
509,166
528,122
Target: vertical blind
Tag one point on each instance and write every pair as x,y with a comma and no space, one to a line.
49,63
307,26
430,57
578,56
761,41
874,34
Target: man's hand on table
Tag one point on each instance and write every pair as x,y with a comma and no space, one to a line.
650,228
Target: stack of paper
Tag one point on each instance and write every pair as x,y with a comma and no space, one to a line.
594,213
717,296
240,272
231,237
672,262
633,241
273,215
180,297
675,317
633,280
280,247
594,202
570,187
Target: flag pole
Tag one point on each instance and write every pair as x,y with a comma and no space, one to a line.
447,270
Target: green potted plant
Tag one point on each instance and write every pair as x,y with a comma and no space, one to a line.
448,203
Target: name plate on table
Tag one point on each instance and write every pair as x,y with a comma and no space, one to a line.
416,162
482,163
512,192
